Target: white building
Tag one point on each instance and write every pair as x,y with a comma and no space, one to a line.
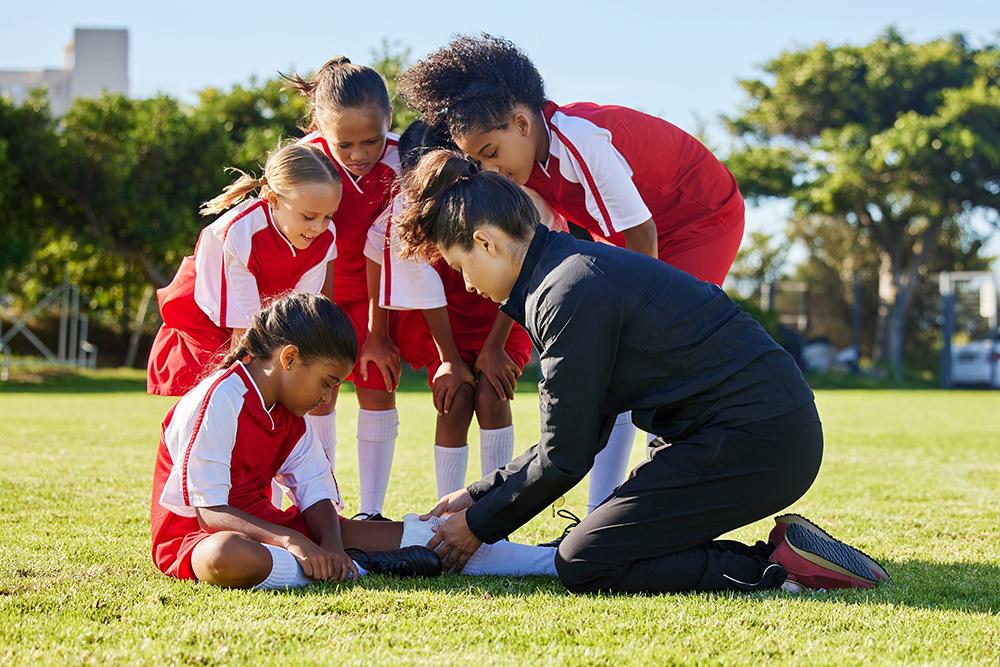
96,61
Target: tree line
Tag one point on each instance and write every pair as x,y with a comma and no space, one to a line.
888,153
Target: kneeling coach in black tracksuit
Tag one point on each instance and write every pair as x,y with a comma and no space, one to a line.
739,435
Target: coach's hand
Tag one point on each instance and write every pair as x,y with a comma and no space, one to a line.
448,379
454,543
456,501
497,367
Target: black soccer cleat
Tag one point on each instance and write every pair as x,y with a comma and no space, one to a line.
414,561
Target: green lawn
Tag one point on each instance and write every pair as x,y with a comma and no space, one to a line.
911,477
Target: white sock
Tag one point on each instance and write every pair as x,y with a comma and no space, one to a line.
510,559
450,465
611,463
377,431
324,427
286,571
496,448
500,559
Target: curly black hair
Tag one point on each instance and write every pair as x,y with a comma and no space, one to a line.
472,83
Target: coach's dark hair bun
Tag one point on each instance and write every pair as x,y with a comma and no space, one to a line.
449,196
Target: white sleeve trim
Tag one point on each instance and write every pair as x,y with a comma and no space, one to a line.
609,191
307,474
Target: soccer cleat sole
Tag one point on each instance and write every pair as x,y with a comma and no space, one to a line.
783,521
828,553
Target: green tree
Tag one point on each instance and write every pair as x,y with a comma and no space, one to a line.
761,260
25,136
390,59
896,142
257,118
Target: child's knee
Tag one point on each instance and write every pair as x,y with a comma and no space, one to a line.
231,559
491,411
462,404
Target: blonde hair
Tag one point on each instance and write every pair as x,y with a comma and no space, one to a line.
285,168
340,84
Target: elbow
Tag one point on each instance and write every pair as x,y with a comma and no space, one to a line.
207,518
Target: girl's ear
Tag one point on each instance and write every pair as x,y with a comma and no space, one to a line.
522,122
288,356
272,198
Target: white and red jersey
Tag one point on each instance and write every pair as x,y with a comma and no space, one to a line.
221,446
224,447
404,284
243,258
364,199
240,260
416,285
611,168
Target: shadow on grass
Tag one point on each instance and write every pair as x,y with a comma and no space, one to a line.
972,588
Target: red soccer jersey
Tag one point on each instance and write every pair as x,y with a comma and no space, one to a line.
240,260
220,445
611,168
363,201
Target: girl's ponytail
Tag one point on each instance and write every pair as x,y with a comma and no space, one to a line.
340,84
233,193
287,167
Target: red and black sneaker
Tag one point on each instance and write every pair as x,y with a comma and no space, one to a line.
815,559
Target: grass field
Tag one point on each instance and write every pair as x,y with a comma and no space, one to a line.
911,477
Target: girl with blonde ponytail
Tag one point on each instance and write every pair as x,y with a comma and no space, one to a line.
274,235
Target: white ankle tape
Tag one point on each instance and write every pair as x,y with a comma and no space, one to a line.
417,532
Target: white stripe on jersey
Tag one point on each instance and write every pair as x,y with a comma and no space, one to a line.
610,172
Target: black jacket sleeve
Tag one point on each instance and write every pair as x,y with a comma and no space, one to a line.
579,325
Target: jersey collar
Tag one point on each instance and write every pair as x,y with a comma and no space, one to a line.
270,221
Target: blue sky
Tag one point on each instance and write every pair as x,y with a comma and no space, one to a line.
677,60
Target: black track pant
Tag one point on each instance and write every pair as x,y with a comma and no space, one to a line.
657,532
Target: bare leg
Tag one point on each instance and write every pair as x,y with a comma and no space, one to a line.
371,536
231,560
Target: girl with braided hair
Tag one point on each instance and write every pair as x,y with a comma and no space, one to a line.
241,427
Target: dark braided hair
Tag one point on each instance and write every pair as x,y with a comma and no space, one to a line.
310,322
472,84
340,84
449,197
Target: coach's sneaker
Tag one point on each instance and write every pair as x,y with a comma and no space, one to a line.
412,561
813,558
785,520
